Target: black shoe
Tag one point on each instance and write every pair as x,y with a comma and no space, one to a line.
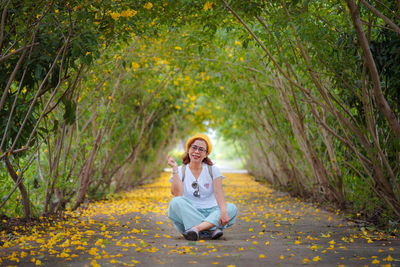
205,234
191,234
217,233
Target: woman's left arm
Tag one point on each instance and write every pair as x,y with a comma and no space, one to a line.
219,196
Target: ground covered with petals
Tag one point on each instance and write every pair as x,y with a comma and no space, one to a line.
132,229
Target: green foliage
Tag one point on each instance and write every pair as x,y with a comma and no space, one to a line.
386,51
136,77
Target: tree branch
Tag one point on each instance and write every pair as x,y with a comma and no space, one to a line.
382,16
3,21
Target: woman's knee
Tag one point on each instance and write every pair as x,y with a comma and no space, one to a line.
232,209
176,201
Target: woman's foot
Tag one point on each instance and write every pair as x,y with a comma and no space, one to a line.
191,234
217,233
205,234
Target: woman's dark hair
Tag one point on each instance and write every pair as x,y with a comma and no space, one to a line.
186,158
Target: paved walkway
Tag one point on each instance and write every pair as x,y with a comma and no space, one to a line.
272,229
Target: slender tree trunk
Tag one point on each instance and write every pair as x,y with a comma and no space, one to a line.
18,180
86,174
299,130
379,97
332,156
53,173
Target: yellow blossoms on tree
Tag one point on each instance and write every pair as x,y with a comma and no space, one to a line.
208,6
124,14
135,66
148,5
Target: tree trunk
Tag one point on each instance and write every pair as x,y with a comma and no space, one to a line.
379,97
18,180
298,129
332,157
86,173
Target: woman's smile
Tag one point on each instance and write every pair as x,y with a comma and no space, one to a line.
195,156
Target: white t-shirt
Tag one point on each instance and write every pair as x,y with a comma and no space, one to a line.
206,189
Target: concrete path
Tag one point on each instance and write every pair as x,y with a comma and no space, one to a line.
272,229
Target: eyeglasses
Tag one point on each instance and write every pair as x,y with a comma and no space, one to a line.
195,186
199,148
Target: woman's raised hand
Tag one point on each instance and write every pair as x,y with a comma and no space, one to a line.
172,163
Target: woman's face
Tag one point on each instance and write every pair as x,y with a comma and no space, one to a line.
198,151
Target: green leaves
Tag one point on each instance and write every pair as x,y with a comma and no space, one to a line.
69,111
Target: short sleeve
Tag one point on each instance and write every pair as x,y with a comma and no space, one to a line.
179,173
216,172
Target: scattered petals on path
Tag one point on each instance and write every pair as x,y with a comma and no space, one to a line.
132,229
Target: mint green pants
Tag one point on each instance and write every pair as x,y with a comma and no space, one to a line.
184,215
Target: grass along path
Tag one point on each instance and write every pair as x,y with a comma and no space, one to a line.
133,230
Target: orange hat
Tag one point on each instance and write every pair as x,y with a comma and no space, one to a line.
200,136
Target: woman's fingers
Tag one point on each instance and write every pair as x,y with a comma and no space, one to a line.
171,161
223,220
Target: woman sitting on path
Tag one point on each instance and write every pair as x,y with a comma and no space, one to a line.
199,202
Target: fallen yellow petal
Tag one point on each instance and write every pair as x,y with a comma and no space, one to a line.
388,258
316,258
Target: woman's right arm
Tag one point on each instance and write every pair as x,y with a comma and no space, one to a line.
176,183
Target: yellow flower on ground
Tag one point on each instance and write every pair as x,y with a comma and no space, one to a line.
388,258
261,256
63,255
94,263
316,258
